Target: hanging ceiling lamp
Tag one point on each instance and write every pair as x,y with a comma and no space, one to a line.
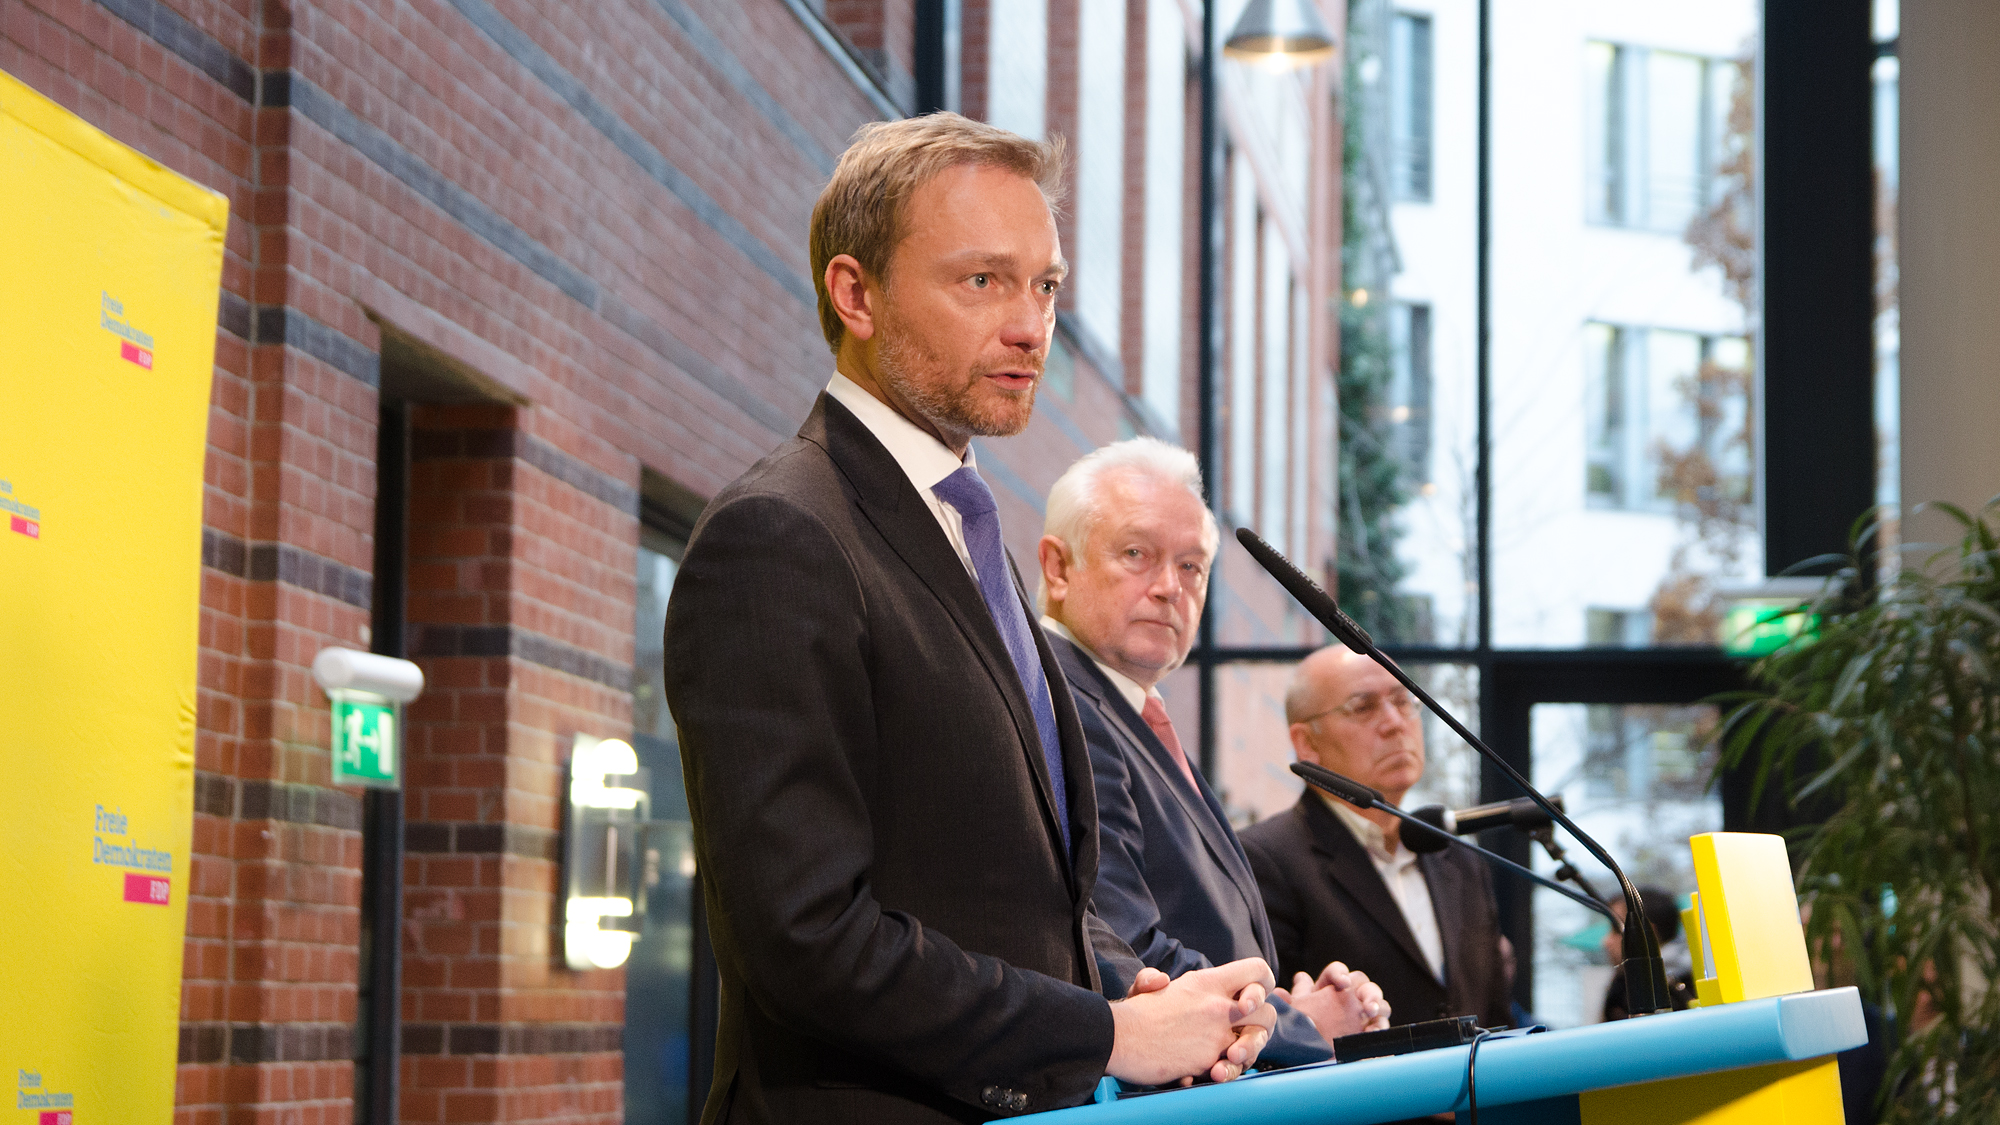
1282,33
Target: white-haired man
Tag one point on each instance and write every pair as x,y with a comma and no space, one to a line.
1125,558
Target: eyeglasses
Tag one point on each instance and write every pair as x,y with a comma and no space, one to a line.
1368,706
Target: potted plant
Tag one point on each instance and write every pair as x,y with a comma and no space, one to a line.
1887,724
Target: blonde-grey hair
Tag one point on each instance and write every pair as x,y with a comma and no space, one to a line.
861,211
1076,500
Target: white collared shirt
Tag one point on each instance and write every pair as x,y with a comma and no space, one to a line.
924,459
1127,687
1404,879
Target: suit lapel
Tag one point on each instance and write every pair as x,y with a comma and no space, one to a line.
1347,863
1446,887
1201,809
891,504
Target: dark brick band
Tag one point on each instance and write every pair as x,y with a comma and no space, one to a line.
725,61
511,1039
250,1043
650,160
506,640
276,324
524,841
277,89
291,802
439,445
282,562
189,43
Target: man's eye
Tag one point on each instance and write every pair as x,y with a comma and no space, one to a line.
1049,288
980,280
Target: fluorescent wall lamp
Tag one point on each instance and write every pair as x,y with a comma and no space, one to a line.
604,853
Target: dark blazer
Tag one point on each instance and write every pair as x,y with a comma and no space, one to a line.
899,934
1172,880
1326,902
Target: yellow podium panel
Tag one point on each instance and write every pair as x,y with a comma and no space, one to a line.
1782,1094
108,292
1751,913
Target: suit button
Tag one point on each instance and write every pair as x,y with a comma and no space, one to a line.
1443,1011
1000,1097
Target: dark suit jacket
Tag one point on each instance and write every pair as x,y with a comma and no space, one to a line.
1327,902
1172,880
899,934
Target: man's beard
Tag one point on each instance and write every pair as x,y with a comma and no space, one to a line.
950,408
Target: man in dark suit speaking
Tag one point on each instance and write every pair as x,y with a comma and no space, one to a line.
891,797
1125,557
1340,883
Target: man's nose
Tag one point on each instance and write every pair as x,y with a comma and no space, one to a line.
1394,717
1027,324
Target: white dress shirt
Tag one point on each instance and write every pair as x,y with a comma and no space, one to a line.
1404,879
924,458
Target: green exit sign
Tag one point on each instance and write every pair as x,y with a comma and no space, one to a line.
1756,627
367,742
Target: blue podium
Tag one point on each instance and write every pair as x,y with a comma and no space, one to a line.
1694,1066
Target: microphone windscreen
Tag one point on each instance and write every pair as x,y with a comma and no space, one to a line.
1305,591
1345,788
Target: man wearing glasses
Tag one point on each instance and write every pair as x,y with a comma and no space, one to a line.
1338,882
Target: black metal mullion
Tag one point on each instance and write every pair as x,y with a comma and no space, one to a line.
382,809
1208,344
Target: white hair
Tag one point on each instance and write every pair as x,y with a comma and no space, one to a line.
1076,500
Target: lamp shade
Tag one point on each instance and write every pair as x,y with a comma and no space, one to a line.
1280,32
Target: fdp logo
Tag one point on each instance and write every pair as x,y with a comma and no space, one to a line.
134,346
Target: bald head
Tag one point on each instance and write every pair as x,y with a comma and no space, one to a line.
1316,682
1348,714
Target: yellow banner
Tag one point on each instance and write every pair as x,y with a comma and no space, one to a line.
108,288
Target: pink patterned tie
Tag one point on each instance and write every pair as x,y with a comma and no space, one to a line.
1155,714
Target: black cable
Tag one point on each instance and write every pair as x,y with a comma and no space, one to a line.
1471,1089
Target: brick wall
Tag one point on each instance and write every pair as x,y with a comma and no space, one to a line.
593,217
521,564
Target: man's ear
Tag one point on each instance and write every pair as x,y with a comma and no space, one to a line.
1053,554
1302,744
851,292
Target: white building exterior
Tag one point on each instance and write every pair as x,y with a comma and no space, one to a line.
1607,120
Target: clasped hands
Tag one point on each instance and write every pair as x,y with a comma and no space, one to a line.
1217,1020
1341,1001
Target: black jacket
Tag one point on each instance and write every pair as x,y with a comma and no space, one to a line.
1172,880
899,934
1327,902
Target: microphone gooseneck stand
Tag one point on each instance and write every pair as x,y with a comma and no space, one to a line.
1424,836
1645,971
1524,816
1546,837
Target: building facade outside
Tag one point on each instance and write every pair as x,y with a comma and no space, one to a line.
1621,373
510,288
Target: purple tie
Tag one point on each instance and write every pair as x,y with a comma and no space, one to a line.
965,491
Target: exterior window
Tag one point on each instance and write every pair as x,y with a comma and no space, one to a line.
1605,382
1409,398
1665,414
1617,628
1410,107
1655,125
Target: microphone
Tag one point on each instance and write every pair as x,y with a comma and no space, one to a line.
1422,837
1645,971
1520,813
